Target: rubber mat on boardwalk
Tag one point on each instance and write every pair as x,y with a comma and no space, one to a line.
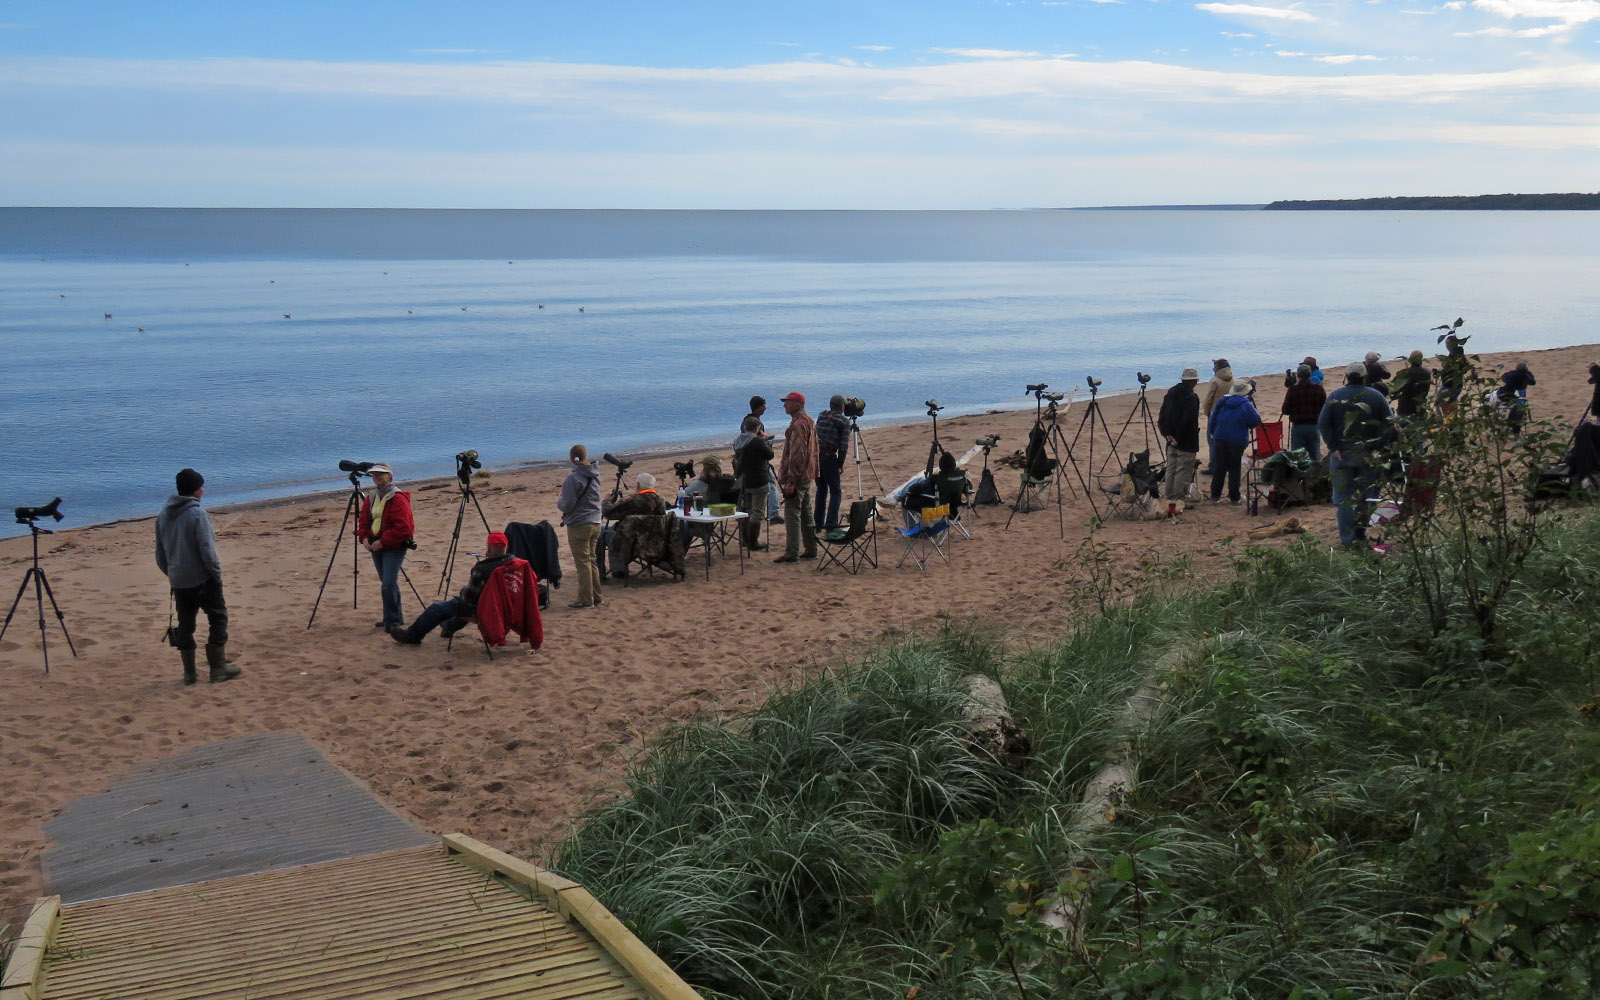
232,808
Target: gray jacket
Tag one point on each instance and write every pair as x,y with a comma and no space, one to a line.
580,496
186,550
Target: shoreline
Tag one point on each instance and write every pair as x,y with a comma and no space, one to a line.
513,750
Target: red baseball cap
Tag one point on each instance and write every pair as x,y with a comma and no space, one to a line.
794,397
498,538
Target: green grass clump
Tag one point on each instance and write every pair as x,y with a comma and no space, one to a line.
1334,800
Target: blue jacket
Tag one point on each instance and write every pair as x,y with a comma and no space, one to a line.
1356,422
1233,419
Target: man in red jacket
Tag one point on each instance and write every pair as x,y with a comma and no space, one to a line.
384,529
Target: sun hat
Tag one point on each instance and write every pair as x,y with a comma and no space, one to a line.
379,467
1190,375
794,397
498,538
1310,361
1241,387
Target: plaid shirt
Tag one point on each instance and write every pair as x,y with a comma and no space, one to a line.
833,432
798,467
1303,402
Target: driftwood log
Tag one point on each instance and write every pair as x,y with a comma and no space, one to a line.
991,732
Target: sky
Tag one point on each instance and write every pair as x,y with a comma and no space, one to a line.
887,104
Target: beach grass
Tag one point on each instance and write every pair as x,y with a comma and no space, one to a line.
1323,803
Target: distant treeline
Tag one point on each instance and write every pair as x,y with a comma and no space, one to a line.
1477,202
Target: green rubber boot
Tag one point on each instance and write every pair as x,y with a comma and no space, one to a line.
221,669
187,655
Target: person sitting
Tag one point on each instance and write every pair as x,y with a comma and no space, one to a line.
452,614
951,484
711,485
645,500
642,531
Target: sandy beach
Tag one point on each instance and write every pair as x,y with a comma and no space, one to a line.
511,750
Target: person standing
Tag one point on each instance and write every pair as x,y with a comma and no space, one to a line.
752,460
1411,387
1179,423
1216,391
1514,393
1302,404
833,437
384,529
1354,424
186,551
1377,374
797,470
1230,425
758,406
579,505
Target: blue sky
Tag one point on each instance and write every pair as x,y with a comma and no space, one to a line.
953,104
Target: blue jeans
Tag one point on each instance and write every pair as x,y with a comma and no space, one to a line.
387,562
829,492
1225,459
1306,436
447,612
1351,485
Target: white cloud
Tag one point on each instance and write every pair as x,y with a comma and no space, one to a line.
1567,14
451,52
1289,55
875,48
1343,60
1237,34
1542,137
989,53
1252,10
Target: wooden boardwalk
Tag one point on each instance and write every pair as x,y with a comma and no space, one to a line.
455,921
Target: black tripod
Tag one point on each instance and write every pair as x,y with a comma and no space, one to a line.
1141,412
934,449
352,508
1092,419
464,467
986,487
860,445
41,583
1045,436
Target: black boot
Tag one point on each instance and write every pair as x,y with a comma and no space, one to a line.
221,669
187,655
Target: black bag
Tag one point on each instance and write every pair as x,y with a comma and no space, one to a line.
988,494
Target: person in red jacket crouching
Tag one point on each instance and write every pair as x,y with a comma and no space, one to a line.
384,529
502,593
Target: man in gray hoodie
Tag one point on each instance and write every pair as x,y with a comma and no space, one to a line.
186,551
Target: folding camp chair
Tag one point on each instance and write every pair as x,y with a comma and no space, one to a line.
1033,494
1265,441
854,545
926,535
1137,480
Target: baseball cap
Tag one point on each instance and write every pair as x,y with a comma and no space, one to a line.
1310,361
795,397
498,538
1356,368
1303,370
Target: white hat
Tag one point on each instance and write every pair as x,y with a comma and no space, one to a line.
1241,387
1356,368
1372,355
379,467
1190,375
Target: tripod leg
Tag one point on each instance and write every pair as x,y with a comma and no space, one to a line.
420,602
450,553
875,478
61,619
348,507
20,591
475,503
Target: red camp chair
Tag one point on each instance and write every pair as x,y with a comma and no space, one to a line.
1265,441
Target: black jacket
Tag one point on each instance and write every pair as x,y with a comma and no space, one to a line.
1180,417
537,544
481,571
750,463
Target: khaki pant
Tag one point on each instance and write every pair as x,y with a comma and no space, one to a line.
582,539
798,522
1180,472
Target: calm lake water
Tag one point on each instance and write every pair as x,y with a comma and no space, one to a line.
263,346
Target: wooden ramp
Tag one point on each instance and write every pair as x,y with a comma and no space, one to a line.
455,921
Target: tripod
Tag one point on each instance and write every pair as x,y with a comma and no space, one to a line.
860,446
467,493
352,508
41,590
1046,434
934,449
985,482
1141,410
1092,418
